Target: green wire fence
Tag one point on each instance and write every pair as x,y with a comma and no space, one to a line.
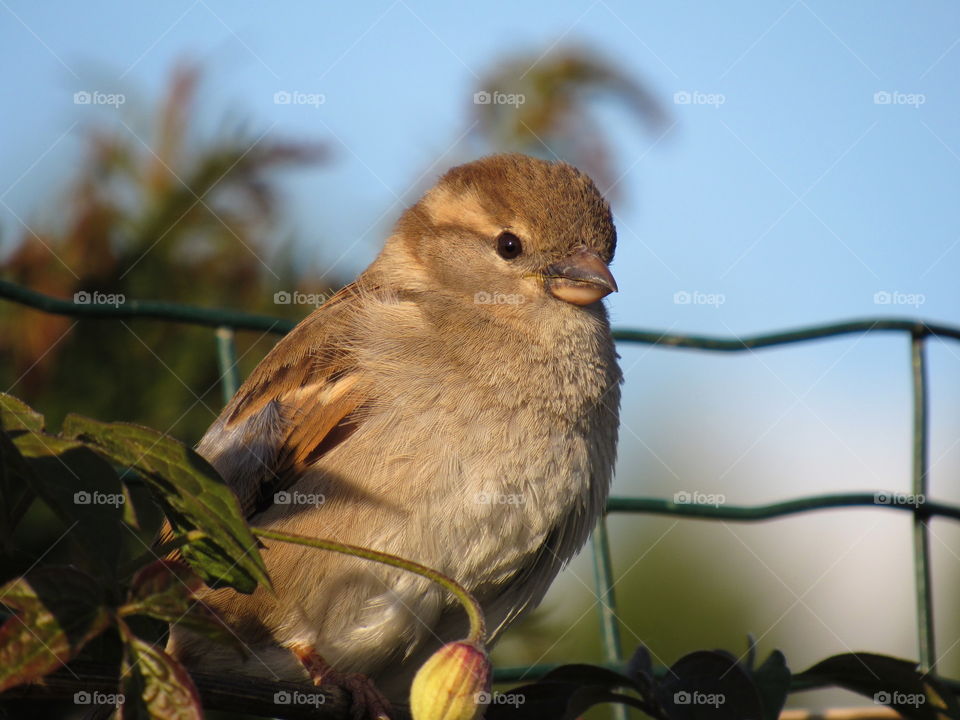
225,323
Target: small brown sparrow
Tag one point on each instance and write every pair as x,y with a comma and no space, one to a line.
457,405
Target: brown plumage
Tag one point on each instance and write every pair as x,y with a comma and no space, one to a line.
457,405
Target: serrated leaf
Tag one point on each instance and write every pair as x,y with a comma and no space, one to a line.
887,681
156,687
193,494
84,492
56,611
17,415
165,590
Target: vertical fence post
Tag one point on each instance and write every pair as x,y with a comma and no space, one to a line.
227,362
603,579
921,518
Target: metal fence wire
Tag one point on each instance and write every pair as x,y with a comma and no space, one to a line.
225,323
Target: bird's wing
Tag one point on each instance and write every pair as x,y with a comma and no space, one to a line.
300,402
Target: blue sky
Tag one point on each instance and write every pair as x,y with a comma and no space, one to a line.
826,171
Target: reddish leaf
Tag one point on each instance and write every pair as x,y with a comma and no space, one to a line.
155,685
56,611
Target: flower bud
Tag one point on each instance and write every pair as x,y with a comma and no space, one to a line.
451,684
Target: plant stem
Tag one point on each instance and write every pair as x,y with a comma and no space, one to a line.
470,605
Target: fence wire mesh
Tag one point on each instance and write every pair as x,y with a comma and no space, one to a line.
225,323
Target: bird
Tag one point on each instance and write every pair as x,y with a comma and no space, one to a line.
457,405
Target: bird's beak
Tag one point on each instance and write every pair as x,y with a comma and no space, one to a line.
581,278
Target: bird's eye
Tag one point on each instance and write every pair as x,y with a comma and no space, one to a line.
509,246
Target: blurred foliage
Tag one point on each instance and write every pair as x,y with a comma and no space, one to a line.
545,105
173,217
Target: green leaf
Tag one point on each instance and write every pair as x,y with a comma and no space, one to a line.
56,611
155,685
83,490
16,488
17,415
887,681
193,494
165,590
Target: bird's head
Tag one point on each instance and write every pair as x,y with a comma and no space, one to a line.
513,232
